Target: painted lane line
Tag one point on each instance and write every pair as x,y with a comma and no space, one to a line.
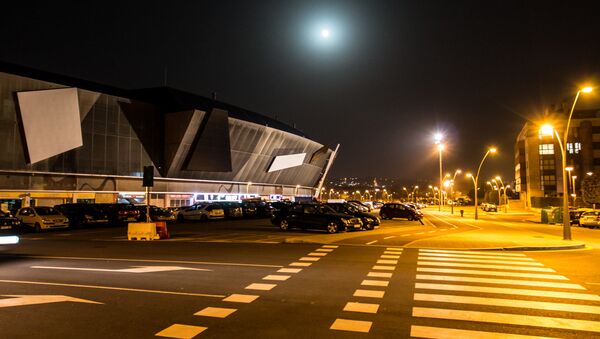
371,242
361,307
379,275
405,235
511,291
155,261
507,319
369,294
383,268
351,325
309,259
517,303
289,270
317,254
215,312
390,237
260,287
475,252
387,262
241,298
439,333
329,246
422,257
300,264
277,277
181,331
448,255
388,256
500,281
498,267
394,248
324,250
381,283
393,252
494,273
126,289
419,233
23,300
431,231
135,269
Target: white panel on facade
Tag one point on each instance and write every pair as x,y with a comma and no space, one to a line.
51,122
286,161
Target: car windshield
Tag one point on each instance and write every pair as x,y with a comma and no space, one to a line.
326,209
352,208
46,211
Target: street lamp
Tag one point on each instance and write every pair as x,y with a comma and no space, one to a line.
574,191
440,148
458,171
469,175
504,187
490,150
405,190
416,188
569,169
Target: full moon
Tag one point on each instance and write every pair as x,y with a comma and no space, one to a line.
325,33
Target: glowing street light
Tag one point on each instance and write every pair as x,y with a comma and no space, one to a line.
490,150
458,171
438,140
325,33
504,187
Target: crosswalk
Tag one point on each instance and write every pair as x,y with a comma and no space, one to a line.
479,294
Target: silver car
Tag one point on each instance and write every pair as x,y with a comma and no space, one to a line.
201,212
590,219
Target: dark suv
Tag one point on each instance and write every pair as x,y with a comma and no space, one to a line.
314,216
83,214
369,220
395,210
120,214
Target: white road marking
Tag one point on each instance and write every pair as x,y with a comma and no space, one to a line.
277,277
215,312
23,300
444,333
351,325
494,273
379,275
419,233
421,257
394,248
392,252
390,237
431,231
260,287
405,235
514,291
508,319
500,281
136,269
517,303
317,254
369,293
329,246
384,268
498,267
110,288
389,256
371,242
324,250
474,256
361,307
381,283
181,331
301,264
289,270
475,252
241,298
387,262
309,259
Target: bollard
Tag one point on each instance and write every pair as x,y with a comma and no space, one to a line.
462,212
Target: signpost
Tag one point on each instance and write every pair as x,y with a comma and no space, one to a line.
148,182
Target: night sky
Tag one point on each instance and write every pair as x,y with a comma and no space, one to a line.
390,75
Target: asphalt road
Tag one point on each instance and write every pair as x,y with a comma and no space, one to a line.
242,280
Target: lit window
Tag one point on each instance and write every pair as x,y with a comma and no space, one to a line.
573,148
546,148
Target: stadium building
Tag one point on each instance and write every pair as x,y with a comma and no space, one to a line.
68,140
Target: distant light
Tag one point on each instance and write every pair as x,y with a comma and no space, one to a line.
587,89
437,137
441,147
498,177
546,130
569,168
493,150
325,33
458,171
9,240
469,175
590,173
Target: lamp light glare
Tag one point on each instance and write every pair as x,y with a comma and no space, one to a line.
325,33
587,89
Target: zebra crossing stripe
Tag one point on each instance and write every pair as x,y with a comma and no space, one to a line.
493,261
495,273
498,267
439,333
475,252
514,291
518,303
507,319
500,281
448,255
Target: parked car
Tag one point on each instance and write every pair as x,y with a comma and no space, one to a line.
249,209
395,210
590,219
8,223
377,204
156,213
315,216
232,209
120,214
489,207
41,218
201,212
359,205
369,221
83,215
369,208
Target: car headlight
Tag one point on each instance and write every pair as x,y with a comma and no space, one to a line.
345,221
45,220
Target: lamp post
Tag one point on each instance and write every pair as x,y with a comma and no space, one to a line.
490,150
440,148
416,188
569,169
574,191
504,189
405,190
469,175
458,171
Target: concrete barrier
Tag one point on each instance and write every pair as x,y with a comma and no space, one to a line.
142,231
